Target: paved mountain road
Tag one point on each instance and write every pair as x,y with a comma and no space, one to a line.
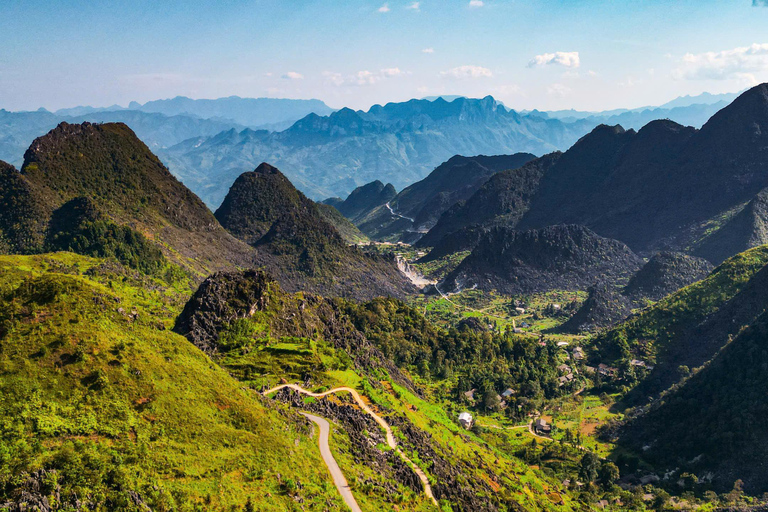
333,467
387,429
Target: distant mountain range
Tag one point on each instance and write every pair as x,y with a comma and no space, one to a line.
208,143
665,187
160,123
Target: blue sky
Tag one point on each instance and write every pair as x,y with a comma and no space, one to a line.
589,55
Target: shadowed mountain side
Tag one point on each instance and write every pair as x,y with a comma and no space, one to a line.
503,199
567,257
661,186
663,274
127,183
298,246
747,229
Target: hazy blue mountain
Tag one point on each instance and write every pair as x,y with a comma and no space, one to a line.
704,98
19,129
86,109
689,115
251,112
399,143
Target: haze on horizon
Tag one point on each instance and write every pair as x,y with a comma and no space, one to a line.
587,55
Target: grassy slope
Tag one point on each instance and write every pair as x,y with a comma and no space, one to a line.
650,333
118,405
346,229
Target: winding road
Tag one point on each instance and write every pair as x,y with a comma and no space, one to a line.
341,484
333,466
393,212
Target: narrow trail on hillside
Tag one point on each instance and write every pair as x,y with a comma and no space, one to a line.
387,429
333,466
393,212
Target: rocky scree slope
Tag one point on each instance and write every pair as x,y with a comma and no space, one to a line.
566,257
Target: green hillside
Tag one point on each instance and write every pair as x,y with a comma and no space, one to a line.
688,327
104,405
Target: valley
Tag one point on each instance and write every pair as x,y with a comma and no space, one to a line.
502,334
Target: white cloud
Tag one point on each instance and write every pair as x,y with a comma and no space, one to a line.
414,6
364,77
567,59
476,3
558,90
428,50
739,63
384,8
463,72
292,75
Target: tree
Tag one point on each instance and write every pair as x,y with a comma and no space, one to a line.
661,499
609,473
249,506
589,467
491,400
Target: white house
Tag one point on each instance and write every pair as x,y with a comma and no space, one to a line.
465,420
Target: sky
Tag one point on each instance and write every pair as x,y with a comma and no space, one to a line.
545,54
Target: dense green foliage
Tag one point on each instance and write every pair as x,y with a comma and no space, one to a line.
469,358
687,328
715,420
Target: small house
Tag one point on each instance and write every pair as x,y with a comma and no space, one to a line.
520,311
541,426
470,395
562,343
465,420
608,371
564,368
508,393
578,353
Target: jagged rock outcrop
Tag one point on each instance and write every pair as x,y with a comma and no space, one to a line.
558,257
605,306
228,296
665,273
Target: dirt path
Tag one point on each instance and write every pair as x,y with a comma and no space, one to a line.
333,467
393,212
387,429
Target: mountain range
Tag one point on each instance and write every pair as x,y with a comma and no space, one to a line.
208,143
155,355
67,196
664,187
